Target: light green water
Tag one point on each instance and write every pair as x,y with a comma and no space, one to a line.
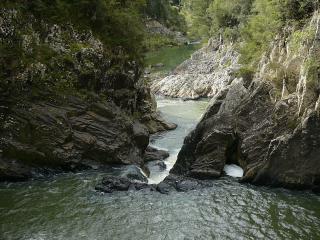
67,207
170,56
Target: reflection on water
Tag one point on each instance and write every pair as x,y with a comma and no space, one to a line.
68,208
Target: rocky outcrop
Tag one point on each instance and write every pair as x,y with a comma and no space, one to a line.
207,71
153,154
68,135
69,103
150,116
271,130
172,183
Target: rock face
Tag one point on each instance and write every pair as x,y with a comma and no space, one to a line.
68,136
209,70
149,115
48,129
271,130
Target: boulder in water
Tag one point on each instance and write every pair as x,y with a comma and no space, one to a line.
153,154
133,173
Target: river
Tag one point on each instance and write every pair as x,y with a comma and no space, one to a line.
67,206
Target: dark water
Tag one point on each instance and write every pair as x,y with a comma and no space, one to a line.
67,207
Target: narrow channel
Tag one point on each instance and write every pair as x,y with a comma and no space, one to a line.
186,114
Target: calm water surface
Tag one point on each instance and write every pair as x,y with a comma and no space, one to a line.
67,207
171,57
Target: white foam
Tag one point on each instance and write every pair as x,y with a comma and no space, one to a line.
159,177
233,170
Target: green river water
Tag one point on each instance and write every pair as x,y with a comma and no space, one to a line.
170,56
67,207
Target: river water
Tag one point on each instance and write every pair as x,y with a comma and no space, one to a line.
67,207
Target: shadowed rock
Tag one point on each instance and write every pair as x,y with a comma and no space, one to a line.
172,183
153,154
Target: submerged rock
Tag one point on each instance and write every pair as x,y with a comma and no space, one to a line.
112,184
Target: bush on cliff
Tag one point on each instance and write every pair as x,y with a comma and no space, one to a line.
263,25
167,12
30,63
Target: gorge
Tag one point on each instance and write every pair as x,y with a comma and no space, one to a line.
159,119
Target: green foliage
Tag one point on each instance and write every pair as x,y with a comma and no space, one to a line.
212,18
9,60
26,70
117,23
246,73
262,27
312,67
166,12
195,14
252,23
156,41
300,37
226,17
298,10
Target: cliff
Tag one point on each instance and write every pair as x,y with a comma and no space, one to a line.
270,125
68,101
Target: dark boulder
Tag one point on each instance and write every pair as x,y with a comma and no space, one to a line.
172,183
141,135
133,173
153,154
110,184
267,138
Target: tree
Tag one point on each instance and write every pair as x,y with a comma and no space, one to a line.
298,10
166,12
195,12
226,17
262,26
114,22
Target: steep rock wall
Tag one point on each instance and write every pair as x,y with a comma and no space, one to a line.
67,102
270,127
